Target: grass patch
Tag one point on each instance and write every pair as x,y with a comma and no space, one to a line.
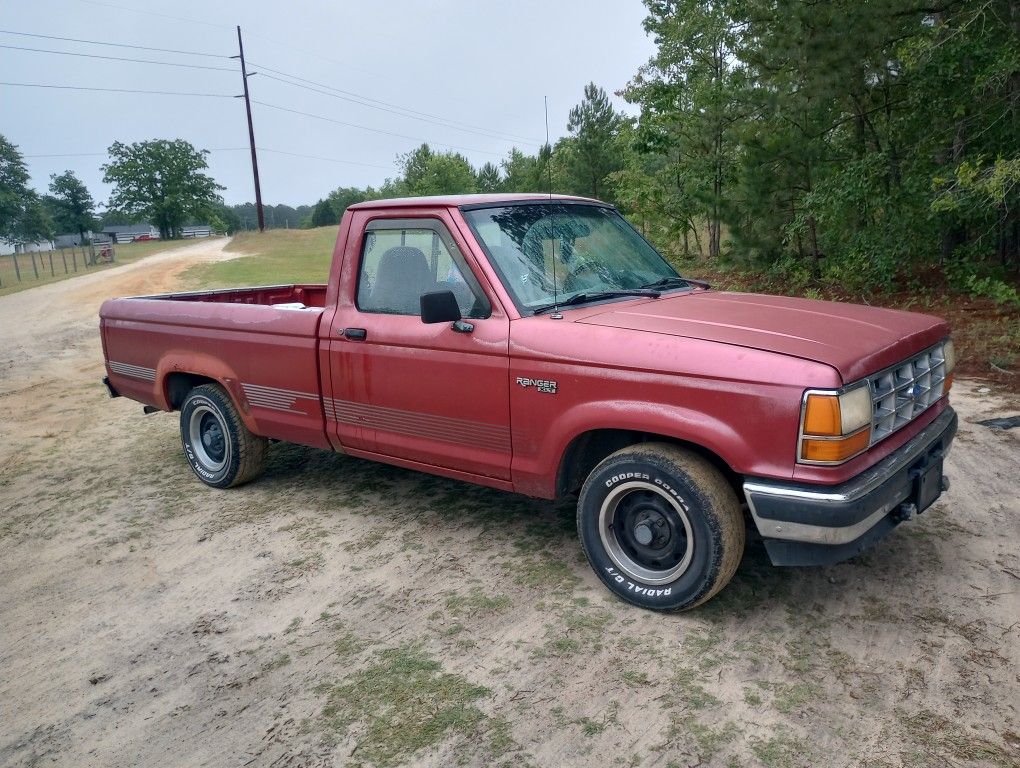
295,569
476,603
936,736
401,704
368,541
545,573
347,645
781,751
276,662
788,697
689,691
579,629
593,727
635,679
501,738
279,256
709,740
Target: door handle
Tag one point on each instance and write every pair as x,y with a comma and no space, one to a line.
355,334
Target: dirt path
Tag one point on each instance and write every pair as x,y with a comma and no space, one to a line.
340,613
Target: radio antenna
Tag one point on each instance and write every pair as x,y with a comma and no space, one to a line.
548,174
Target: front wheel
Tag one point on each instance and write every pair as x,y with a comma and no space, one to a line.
219,447
660,526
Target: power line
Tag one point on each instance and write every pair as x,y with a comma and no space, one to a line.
98,154
385,106
367,128
232,149
117,90
115,58
349,96
308,52
272,40
327,159
113,45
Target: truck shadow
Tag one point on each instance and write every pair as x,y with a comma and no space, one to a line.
334,481
521,525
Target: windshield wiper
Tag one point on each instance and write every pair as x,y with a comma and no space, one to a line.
677,282
583,298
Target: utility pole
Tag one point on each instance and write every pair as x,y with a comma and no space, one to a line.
251,132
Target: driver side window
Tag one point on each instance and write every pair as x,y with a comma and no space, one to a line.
398,265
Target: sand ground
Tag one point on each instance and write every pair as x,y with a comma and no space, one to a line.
338,612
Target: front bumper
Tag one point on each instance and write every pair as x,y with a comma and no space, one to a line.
816,525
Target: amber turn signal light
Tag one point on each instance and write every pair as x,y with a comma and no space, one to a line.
821,416
835,450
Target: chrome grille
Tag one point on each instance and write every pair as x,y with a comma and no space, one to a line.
902,393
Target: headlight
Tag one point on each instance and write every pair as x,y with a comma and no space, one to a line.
949,355
835,426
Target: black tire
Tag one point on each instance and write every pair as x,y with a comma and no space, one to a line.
217,444
660,526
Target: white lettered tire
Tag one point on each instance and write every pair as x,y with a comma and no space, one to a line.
660,526
220,449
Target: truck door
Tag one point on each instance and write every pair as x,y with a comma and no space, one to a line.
405,389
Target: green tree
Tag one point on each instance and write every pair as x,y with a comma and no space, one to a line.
489,178
323,215
593,152
74,210
342,198
690,108
35,223
162,181
437,173
15,194
414,165
522,172
225,218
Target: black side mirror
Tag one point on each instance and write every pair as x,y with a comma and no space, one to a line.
439,307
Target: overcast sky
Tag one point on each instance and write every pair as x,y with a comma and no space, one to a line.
481,64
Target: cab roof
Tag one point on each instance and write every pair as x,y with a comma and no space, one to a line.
456,201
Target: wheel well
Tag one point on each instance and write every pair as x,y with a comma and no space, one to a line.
178,385
587,450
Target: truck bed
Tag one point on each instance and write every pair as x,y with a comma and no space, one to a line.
281,296
261,343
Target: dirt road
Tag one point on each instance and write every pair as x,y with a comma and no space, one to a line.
338,612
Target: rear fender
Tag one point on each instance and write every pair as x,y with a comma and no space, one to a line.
200,364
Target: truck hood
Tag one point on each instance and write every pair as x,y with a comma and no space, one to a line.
856,340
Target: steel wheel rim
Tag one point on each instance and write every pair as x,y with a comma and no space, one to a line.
207,433
635,505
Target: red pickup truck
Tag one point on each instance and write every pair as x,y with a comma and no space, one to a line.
538,344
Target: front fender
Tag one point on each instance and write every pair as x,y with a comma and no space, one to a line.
536,474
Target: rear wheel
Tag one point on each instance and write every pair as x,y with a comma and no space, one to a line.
221,450
660,526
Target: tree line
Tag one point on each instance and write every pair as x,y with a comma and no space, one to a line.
862,144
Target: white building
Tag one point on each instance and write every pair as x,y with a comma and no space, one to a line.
7,248
126,233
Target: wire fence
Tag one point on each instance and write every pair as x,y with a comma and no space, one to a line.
43,266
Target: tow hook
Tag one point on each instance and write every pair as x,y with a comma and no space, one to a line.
905,511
